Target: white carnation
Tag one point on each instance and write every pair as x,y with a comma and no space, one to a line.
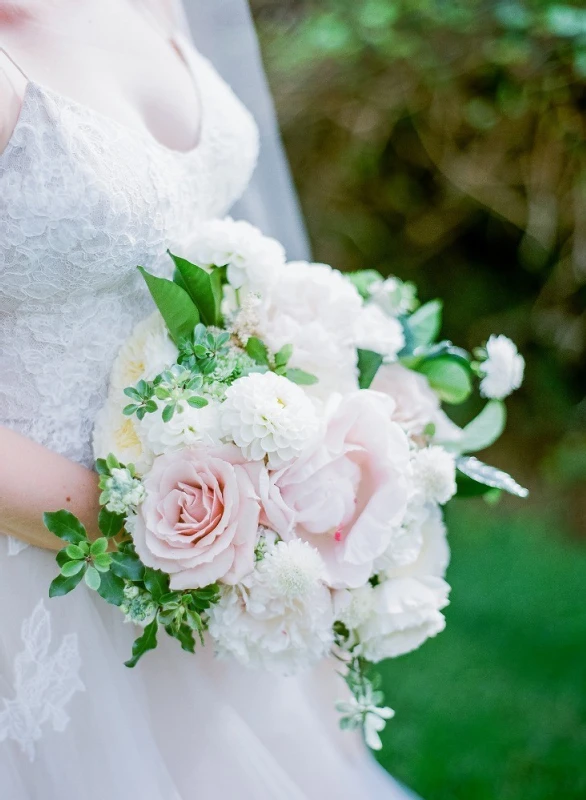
406,612
419,547
313,307
280,617
503,369
434,473
188,426
266,414
252,259
375,330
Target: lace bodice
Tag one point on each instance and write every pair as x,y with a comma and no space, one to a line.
83,201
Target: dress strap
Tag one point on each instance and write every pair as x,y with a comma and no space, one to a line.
9,58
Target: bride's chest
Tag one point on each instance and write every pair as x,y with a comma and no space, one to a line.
84,200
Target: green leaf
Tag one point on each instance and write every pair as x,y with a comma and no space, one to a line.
111,588
216,281
300,377
363,280
257,350
112,462
148,641
485,429
199,286
368,364
62,557
185,637
74,552
110,523
176,306
103,562
127,565
92,578
72,568
425,323
102,466
197,402
283,356
65,525
168,412
62,585
486,475
99,546
448,377
156,582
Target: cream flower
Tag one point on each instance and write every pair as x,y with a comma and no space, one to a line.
146,353
280,617
374,330
187,427
118,434
267,415
252,259
503,369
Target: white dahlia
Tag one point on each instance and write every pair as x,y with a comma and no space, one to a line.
375,330
503,368
188,426
252,259
267,415
434,474
280,617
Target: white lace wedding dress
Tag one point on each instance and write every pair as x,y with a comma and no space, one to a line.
83,200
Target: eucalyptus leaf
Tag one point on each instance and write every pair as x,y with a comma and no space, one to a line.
148,641
197,402
65,525
368,365
485,429
198,284
448,377
489,476
425,323
176,306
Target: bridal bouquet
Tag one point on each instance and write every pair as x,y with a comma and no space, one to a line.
274,459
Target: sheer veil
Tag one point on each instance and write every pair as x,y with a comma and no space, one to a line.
223,30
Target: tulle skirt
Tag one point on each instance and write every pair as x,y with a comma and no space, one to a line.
75,723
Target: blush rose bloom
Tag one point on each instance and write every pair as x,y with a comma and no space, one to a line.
416,404
199,520
345,493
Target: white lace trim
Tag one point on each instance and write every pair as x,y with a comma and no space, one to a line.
43,683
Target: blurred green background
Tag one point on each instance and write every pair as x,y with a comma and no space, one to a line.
444,142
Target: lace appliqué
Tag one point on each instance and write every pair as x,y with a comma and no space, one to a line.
43,684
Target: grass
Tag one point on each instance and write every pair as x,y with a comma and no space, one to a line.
494,708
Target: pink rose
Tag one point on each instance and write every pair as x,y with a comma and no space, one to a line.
199,520
416,404
346,492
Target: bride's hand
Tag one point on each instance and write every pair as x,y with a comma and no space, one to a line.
34,480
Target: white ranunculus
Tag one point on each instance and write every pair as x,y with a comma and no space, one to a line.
433,472
267,415
314,308
118,434
253,260
375,330
147,352
502,370
406,612
280,617
186,428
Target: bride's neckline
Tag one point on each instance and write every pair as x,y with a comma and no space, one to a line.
187,54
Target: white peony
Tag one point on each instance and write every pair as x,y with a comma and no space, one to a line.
434,474
406,612
502,370
374,330
267,415
313,307
280,617
187,427
253,260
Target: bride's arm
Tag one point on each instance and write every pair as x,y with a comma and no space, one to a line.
34,480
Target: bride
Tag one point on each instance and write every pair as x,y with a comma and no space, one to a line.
116,137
